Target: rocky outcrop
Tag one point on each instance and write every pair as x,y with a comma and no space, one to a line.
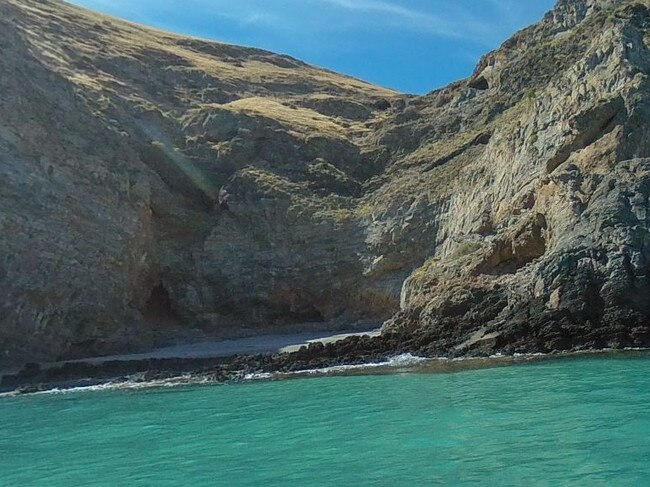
590,292
157,189
542,246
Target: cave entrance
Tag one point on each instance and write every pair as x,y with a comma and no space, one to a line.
159,309
479,83
288,314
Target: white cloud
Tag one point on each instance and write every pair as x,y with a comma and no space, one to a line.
453,22
481,22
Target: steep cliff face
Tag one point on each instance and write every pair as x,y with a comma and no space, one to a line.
158,188
541,235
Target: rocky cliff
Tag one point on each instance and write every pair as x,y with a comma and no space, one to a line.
540,194
157,188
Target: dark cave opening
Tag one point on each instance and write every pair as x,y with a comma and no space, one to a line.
160,307
479,83
306,313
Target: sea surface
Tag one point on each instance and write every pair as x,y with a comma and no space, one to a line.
583,421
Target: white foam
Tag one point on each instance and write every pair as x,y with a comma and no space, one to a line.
259,376
398,361
405,359
402,360
123,385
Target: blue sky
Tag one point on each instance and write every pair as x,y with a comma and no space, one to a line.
413,46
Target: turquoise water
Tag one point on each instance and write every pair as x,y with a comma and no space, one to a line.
570,422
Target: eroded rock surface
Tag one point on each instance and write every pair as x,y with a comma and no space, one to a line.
156,188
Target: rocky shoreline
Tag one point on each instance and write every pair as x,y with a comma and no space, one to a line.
214,190
353,351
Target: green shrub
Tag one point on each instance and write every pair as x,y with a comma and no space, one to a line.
465,248
531,95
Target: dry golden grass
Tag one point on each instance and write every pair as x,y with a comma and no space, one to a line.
105,56
301,120
125,39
